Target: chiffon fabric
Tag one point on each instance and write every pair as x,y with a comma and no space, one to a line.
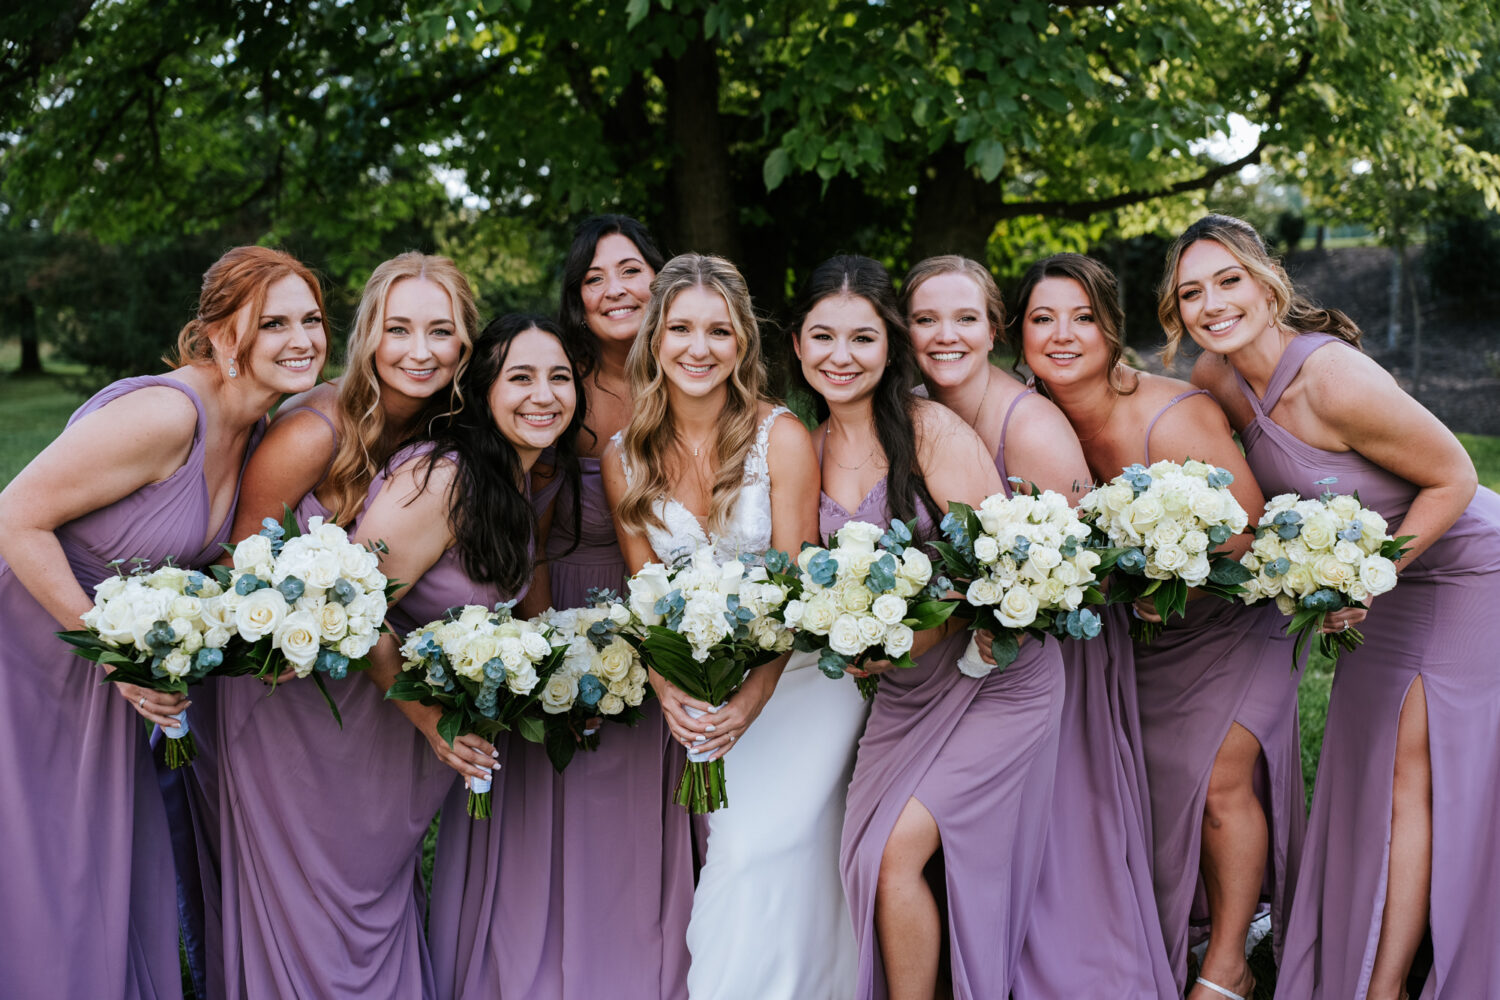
91,911
590,872
1219,664
979,754
321,827
1094,928
1439,625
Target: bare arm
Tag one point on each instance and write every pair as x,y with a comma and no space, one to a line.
411,518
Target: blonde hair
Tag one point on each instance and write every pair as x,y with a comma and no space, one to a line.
994,304
1244,244
238,278
365,438
652,431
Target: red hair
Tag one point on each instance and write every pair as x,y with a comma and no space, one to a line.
238,278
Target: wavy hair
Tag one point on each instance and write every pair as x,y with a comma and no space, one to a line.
895,404
1103,292
494,524
365,435
951,263
1244,244
652,431
570,315
239,278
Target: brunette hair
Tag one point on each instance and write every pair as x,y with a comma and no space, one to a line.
895,404
570,315
238,278
652,431
1244,244
494,524
994,304
1103,292
365,440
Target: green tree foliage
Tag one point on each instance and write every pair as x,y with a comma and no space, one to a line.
773,131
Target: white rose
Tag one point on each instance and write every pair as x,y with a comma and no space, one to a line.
1377,574
252,553
844,636
260,614
1017,609
559,692
888,609
898,640
297,638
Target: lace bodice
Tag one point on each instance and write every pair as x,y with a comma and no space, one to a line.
749,528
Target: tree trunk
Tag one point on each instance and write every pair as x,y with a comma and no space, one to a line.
702,213
952,211
31,354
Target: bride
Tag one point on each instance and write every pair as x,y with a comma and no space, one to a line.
705,460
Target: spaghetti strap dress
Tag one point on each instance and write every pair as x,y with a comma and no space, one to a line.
1220,664
1094,928
1439,625
321,829
87,909
979,754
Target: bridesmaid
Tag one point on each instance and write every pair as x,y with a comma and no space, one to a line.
1408,791
456,515
948,763
330,905
704,461
1098,845
612,810
148,468
1217,700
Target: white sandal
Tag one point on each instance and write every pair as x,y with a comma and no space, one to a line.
1221,990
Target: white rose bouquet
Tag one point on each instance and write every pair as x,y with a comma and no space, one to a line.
1025,567
312,601
1159,530
703,624
600,679
1316,556
865,596
160,629
484,669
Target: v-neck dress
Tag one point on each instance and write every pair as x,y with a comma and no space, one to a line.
979,754
1439,625
87,904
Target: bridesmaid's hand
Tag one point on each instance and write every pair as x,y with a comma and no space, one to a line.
156,706
728,724
684,728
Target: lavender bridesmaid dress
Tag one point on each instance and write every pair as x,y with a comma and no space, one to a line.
979,755
321,828
86,905
581,885
1094,928
1220,664
1440,625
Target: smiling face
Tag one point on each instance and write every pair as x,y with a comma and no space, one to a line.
534,397
616,288
290,343
843,347
1060,334
1223,307
950,329
697,350
419,347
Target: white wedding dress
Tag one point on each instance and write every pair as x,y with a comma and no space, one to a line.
769,919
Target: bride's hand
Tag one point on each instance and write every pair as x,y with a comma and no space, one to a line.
728,724
684,728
